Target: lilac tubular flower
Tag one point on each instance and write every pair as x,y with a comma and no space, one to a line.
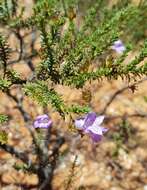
118,46
42,121
91,125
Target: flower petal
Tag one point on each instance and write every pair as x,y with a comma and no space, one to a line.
42,117
99,120
120,49
42,125
90,118
118,46
118,43
42,121
95,137
79,123
36,124
104,130
95,129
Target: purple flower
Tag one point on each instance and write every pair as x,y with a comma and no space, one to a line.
91,125
118,46
42,121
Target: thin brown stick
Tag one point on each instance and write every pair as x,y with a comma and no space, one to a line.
120,91
141,115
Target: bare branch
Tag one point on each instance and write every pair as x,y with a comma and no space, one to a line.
111,117
112,98
24,114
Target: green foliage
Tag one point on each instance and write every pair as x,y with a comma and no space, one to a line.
68,50
13,77
3,134
4,84
138,22
8,8
3,118
3,137
21,167
145,98
114,70
44,95
121,136
4,53
78,109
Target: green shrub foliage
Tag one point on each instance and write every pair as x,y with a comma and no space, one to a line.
68,50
